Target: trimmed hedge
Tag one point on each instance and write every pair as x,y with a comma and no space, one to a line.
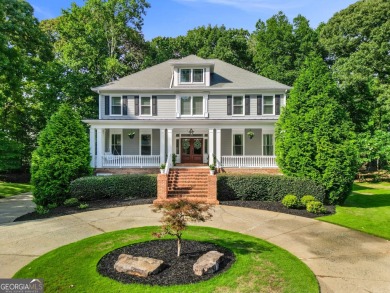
114,186
266,187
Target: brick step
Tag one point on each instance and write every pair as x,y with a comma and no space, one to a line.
187,191
187,196
187,176
187,182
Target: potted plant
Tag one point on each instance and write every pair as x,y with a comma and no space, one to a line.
212,169
174,159
250,134
162,168
131,134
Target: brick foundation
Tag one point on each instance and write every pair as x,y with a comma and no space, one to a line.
116,171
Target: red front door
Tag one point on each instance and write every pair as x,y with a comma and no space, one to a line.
192,150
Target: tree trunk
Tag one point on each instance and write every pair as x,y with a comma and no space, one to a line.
178,246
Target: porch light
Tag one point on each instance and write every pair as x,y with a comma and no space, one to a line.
191,131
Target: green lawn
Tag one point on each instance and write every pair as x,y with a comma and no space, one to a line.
367,209
259,267
9,189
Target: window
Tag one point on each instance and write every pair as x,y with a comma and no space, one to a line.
177,146
145,106
238,108
191,105
238,145
116,144
192,75
268,107
116,106
268,145
146,144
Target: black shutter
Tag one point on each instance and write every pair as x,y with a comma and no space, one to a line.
136,105
229,105
154,105
107,105
259,105
277,104
247,105
124,105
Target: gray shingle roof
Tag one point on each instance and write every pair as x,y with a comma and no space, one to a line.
224,76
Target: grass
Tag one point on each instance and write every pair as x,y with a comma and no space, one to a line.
259,267
10,189
367,209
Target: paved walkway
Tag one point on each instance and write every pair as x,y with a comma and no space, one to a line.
342,259
15,206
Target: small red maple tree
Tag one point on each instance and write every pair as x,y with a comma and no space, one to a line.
176,214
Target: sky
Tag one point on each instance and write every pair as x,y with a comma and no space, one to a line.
171,18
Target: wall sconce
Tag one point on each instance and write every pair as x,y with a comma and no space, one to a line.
191,131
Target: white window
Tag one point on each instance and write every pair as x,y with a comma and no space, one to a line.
146,106
238,105
238,144
116,105
116,144
146,144
268,145
192,75
268,105
191,105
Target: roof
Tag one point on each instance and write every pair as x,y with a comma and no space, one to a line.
225,76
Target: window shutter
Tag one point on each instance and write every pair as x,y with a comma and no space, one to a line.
247,105
154,105
229,105
277,104
107,105
259,105
136,105
124,105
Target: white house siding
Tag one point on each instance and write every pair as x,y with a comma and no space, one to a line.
226,142
130,146
253,147
155,141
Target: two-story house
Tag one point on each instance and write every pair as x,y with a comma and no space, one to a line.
201,110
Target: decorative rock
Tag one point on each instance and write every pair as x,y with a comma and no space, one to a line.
138,266
208,263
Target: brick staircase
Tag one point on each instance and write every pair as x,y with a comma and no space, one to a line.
193,184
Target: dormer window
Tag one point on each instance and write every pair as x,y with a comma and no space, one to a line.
192,75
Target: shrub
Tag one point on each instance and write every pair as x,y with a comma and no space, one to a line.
83,206
115,186
315,207
41,210
71,202
290,201
266,187
306,199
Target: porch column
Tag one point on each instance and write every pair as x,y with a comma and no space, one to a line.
211,146
162,146
92,143
218,147
99,148
169,139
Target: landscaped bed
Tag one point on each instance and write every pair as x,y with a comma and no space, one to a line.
259,266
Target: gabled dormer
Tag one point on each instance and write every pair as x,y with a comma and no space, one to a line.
191,71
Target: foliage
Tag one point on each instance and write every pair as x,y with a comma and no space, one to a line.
174,159
176,215
357,42
314,135
41,210
10,153
115,186
279,48
258,266
290,201
70,202
374,147
265,187
83,206
162,166
306,199
212,167
315,207
62,156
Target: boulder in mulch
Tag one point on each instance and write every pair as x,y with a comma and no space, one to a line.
138,266
208,263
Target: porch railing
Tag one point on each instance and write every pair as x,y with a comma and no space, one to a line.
249,161
130,161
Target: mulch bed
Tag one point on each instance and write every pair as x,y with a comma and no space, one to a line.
112,203
178,270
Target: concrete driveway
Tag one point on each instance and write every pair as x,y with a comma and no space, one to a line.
15,206
342,259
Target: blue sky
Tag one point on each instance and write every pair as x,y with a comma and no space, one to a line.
170,18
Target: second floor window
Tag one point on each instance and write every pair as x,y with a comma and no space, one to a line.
146,106
191,105
116,106
192,75
268,105
238,105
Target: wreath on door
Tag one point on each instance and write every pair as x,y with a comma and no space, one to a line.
197,144
186,144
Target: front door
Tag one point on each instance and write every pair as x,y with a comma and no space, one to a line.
191,150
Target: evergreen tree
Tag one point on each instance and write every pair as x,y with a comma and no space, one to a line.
314,136
62,156
10,153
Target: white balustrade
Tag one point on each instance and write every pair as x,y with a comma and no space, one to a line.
249,161
130,161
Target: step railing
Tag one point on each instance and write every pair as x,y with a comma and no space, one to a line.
168,164
130,161
249,161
